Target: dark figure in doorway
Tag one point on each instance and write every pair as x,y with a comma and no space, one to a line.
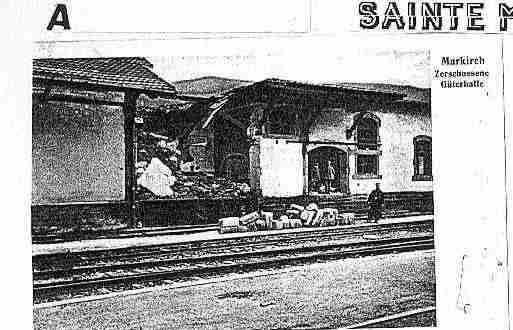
376,201
330,177
316,177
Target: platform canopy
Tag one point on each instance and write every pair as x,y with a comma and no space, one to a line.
68,91
110,73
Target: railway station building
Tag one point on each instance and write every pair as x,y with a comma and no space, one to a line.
280,137
283,135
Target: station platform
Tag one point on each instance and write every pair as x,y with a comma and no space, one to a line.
113,243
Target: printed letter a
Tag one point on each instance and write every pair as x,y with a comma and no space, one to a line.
64,22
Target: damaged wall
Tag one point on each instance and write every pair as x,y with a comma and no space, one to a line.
78,153
254,165
201,149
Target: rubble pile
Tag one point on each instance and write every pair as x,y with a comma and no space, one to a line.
296,216
163,173
188,186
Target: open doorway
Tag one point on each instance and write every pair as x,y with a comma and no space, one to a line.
328,171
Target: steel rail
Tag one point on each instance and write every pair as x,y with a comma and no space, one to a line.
180,260
92,255
376,247
314,237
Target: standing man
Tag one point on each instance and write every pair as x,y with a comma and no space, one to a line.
316,177
376,201
330,176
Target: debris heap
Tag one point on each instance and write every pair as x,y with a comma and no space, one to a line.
163,172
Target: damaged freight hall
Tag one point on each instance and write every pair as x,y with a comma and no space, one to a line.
329,144
115,145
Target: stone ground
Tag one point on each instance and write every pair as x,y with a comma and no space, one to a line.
327,295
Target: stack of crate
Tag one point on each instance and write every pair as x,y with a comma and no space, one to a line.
296,216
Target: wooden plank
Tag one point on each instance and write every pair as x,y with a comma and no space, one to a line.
102,87
129,109
304,136
333,143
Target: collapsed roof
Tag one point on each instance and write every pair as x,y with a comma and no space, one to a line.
309,93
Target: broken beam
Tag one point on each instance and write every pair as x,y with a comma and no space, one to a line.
234,121
335,142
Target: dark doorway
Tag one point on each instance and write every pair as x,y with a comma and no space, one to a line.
319,172
231,151
235,167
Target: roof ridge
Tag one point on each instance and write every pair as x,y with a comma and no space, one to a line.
382,84
211,77
141,60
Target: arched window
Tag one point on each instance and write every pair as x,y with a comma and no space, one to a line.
367,133
422,161
367,150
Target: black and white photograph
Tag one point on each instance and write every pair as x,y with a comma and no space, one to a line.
242,164
261,190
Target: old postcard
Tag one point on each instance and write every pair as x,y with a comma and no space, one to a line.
259,165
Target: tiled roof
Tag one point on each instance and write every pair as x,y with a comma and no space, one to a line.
404,93
208,86
216,86
121,72
411,93
316,88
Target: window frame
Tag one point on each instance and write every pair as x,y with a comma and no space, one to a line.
416,153
365,148
367,176
359,121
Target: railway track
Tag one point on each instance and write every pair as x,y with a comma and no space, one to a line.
201,247
101,279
